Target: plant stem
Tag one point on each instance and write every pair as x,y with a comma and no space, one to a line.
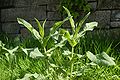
47,61
71,70
44,49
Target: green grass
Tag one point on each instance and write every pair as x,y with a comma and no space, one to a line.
25,64
60,55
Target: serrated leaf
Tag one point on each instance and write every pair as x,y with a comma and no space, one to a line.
90,26
36,53
71,19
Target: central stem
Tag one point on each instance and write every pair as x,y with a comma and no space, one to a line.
71,70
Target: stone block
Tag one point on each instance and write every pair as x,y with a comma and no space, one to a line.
6,3
52,7
11,28
115,24
110,34
26,13
49,24
102,17
54,1
24,32
115,15
26,3
54,16
108,4
93,5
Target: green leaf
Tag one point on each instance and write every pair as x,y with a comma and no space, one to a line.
45,41
36,34
30,28
66,52
71,19
25,23
1,44
79,55
67,35
72,42
11,51
53,65
41,28
57,25
101,59
61,44
91,56
107,58
26,50
80,25
36,53
27,76
90,26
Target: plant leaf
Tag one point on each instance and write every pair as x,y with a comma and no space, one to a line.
58,24
29,27
90,26
1,44
41,28
71,19
91,56
66,34
66,52
107,58
11,51
80,25
27,76
36,53
26,50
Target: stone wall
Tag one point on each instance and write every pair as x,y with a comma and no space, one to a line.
28,10
105,12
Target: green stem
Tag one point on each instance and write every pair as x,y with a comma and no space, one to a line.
44,49
47,61
71,70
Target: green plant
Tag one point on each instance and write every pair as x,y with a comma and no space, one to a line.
75,6
58,41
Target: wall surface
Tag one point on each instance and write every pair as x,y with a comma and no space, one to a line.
105,12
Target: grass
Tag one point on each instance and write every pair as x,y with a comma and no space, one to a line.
25,64
60,55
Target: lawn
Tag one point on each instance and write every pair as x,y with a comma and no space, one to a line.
61,54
